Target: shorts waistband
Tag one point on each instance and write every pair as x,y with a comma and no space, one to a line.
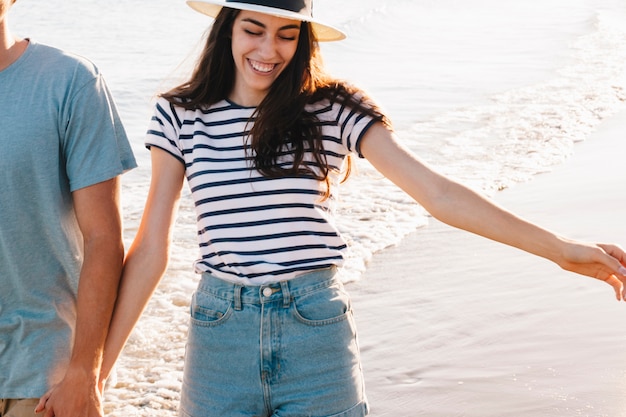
266,293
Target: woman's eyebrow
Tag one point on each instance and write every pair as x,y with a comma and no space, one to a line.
256,22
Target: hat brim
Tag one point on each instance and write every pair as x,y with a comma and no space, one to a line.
323,32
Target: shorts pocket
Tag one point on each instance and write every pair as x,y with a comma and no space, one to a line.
323,306
208,310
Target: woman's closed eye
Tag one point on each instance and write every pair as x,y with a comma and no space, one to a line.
285,37
288,37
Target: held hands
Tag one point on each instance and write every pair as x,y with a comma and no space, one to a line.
78,394
602,261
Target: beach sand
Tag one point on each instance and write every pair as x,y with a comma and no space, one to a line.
452,324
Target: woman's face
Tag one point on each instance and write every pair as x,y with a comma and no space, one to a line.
262,47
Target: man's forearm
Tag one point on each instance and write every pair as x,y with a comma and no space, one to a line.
97,291
98,214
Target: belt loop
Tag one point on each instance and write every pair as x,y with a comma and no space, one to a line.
284,285
237,295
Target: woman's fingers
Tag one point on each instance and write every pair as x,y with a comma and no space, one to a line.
41,406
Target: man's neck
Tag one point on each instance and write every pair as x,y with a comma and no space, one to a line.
11,48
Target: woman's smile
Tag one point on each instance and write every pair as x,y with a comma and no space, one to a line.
261,67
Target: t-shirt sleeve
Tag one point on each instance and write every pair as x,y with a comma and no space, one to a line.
95,144
164,129
353,126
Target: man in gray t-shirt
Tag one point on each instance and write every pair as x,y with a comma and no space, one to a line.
62,149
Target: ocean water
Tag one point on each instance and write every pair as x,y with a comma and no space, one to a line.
490,92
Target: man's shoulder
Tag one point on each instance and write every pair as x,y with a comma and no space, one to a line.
60,60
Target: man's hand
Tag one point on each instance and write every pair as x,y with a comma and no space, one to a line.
77,395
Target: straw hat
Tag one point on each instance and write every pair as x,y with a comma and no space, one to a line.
290,9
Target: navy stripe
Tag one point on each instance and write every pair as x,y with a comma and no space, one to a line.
182,161
241,225
217,198
219,122
264,237
275,251
258,209
165,115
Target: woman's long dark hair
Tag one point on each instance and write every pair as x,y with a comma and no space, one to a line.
282,124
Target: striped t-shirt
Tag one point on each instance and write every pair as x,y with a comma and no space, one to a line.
252,228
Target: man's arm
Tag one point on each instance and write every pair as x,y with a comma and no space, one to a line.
98,212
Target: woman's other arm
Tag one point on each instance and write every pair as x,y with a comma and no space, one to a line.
461,207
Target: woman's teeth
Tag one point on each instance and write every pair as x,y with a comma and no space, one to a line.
261,67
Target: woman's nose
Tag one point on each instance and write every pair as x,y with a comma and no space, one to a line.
267,48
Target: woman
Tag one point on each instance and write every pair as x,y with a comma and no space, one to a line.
263,136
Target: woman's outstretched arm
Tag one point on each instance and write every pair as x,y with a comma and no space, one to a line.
461,207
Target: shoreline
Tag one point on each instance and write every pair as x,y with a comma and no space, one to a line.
474,328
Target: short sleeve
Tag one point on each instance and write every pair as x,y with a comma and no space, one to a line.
353,125
164,129
95,144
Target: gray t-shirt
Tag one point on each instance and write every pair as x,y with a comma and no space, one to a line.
59,132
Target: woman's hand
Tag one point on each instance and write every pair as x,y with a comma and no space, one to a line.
602,261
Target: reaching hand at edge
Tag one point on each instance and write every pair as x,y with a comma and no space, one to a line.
605,262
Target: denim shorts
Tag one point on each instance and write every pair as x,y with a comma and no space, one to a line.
287,349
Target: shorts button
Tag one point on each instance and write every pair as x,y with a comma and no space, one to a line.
267,291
